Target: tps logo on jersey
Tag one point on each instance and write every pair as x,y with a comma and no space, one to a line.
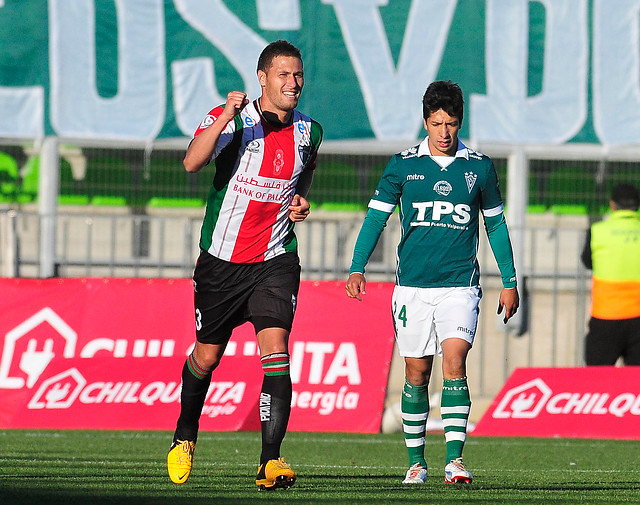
470,179
440,211
442,188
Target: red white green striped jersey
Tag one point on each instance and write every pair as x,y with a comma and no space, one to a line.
257,169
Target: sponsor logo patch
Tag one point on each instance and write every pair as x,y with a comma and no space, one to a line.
253,146
442,188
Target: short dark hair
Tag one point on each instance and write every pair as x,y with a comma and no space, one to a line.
274,49
626,196
445,95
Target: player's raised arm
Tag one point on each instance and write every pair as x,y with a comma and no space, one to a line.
203,145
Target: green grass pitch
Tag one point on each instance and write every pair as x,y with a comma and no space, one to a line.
126,468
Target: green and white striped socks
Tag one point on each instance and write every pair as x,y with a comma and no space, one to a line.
415,410
455,407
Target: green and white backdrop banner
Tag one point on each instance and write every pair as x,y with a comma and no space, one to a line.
547,71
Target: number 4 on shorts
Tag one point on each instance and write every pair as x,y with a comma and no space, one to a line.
402,316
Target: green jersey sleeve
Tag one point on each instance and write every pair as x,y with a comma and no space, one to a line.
491,197
500,243
374,222
389,188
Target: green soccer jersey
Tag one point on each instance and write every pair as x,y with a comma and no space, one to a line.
439,212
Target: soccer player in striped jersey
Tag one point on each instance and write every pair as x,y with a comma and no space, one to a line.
248,268
441,187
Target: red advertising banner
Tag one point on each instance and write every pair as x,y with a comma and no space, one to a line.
108,354
587,402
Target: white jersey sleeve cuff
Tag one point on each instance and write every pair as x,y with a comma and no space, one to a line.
382,206
495,211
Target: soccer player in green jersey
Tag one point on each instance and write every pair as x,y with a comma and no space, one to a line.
440,186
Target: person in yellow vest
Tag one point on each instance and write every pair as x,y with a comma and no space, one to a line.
612,252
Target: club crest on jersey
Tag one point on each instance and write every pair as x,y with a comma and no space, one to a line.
207,121
442,188
278,161
471,179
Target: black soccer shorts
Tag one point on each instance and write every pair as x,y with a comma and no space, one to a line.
227,295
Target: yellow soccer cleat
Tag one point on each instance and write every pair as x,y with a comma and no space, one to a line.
275,474
180,460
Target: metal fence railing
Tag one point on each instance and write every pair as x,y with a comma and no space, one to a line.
554,284
132,211
564,179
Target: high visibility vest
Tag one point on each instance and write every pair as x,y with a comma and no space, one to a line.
615,253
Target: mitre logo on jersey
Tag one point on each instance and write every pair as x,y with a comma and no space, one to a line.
442,188
524,401
470,179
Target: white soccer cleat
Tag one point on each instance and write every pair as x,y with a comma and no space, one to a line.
417,474
455,472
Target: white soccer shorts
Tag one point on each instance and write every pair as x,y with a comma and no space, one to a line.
424,317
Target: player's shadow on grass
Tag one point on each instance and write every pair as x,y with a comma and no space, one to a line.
251,497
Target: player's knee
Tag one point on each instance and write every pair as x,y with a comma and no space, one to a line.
455,368
418,374
208,356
